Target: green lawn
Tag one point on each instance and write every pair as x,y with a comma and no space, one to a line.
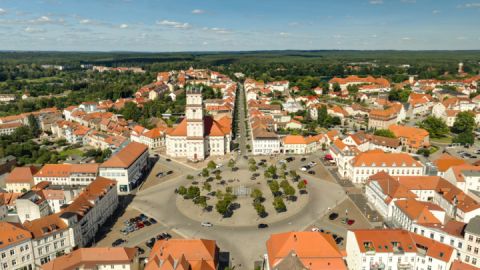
71,152
444,140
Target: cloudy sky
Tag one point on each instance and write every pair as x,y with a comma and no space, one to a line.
219,25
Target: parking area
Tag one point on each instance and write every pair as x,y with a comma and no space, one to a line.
470,153
134,229
339,220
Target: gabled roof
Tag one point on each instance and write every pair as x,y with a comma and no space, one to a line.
375,158
89,257
200,254
11,234
418,211
21,175
315,250
446,161
44,226
126,157
391,187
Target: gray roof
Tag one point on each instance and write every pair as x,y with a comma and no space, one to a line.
473,226
290,262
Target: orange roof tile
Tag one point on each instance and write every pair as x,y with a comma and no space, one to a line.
445,161
45,226
127,156
200,254
418,211
21,175
11,234
88,258
379,158
314,249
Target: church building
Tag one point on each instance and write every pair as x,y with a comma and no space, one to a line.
199,136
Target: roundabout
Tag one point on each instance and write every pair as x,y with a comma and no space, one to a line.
237,234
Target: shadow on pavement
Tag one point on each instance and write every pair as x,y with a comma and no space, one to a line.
123,202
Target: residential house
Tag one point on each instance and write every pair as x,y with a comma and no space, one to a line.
20,179
303,250
16,251
195,254
97,258
395,249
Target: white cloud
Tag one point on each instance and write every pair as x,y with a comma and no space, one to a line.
2,11
461,38
85,21
217,30
470,5
32,30
44,19
284,34
406,38
198,11
204,43
435,11
123,25
409,1
174,24
376,2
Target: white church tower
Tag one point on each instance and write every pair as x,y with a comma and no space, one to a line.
195,124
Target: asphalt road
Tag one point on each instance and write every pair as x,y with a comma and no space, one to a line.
159,201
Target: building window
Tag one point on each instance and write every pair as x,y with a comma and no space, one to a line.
474,261
442,238
12,252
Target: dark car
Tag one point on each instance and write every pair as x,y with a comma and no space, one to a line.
152,220
147,223
253,178
118,242
160,237
262,226
245,157
290,159
333,216
263,160
311,172
169,172
140,250
168,159
303,159
339,240
166,235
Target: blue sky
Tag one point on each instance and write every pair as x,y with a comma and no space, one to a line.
212,25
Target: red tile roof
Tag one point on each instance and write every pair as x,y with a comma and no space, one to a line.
88,258
126,157
315,250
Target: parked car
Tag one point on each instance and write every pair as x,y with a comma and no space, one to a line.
350,222
333,216
118,242
153,221
206,224
311,172
169,172
262,226
315,230
303,159
160,174
147,223
168,159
